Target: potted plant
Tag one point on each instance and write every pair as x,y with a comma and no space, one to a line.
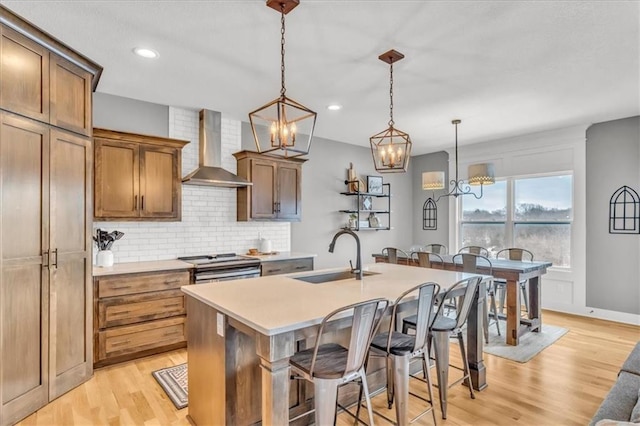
353,220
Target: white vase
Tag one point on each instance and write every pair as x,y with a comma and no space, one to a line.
104,258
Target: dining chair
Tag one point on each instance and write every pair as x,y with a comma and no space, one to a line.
513,253
427,260
391,253
436,248
470,263
330,365
475,250
444,327
400,349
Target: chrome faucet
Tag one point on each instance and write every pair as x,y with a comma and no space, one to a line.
358,270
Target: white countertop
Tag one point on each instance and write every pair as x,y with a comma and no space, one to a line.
136,267
279,303
283,255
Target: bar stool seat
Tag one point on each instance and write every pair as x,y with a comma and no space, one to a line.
331,361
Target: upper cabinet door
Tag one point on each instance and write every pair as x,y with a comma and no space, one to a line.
160,184
70,96
263,191
117,173
289,191
24,76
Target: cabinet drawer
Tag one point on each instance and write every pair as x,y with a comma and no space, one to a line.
125,310
287,266
136,338
121,285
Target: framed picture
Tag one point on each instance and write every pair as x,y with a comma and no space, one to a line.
366,203
374,222
374,184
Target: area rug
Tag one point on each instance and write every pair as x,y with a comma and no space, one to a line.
531,344
174,382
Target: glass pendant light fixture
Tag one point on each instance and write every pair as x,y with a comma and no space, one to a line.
391,148
479,174
283,127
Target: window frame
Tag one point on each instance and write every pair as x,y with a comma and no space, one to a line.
510,221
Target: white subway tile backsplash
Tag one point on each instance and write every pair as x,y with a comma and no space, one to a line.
208,213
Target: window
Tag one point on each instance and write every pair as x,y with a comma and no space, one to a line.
532,213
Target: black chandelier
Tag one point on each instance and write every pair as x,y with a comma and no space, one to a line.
479,174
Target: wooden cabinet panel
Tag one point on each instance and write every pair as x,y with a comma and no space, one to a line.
278,267
159,182
276,193
137,177
24,279
138,315
70,96
136,338
116,179
45,222
25,187
70,360
24,76
120,285
290,191
263,192
132,309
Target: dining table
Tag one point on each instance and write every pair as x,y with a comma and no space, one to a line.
511,271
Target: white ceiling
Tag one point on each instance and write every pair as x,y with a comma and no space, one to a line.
505,68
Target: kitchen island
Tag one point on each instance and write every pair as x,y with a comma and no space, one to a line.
242,333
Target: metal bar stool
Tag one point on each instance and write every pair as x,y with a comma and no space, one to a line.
427,260
331,365
400,348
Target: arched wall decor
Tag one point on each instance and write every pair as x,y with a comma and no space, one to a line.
624,211
430,215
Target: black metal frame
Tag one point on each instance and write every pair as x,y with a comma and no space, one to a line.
630,199
429,215
360,195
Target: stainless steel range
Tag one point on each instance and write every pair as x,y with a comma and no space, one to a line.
222,267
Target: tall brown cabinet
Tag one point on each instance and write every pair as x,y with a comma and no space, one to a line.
45,217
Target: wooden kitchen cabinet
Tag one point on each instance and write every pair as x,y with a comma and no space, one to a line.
137,177
46,169
138,315
287,266
39,84
276,193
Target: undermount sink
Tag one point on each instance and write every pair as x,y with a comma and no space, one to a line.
331,276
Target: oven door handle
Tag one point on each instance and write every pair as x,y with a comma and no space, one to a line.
213,276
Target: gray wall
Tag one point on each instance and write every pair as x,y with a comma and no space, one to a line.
437,161
323,177
613,271
130,115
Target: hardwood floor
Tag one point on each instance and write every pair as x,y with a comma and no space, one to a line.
563,385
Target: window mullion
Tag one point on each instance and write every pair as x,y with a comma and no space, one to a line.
509,232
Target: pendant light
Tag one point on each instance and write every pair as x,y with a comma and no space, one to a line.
479,174
391,148
283,127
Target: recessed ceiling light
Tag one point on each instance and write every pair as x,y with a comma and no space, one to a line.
146,53
334,107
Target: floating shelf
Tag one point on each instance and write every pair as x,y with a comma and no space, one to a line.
362,214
